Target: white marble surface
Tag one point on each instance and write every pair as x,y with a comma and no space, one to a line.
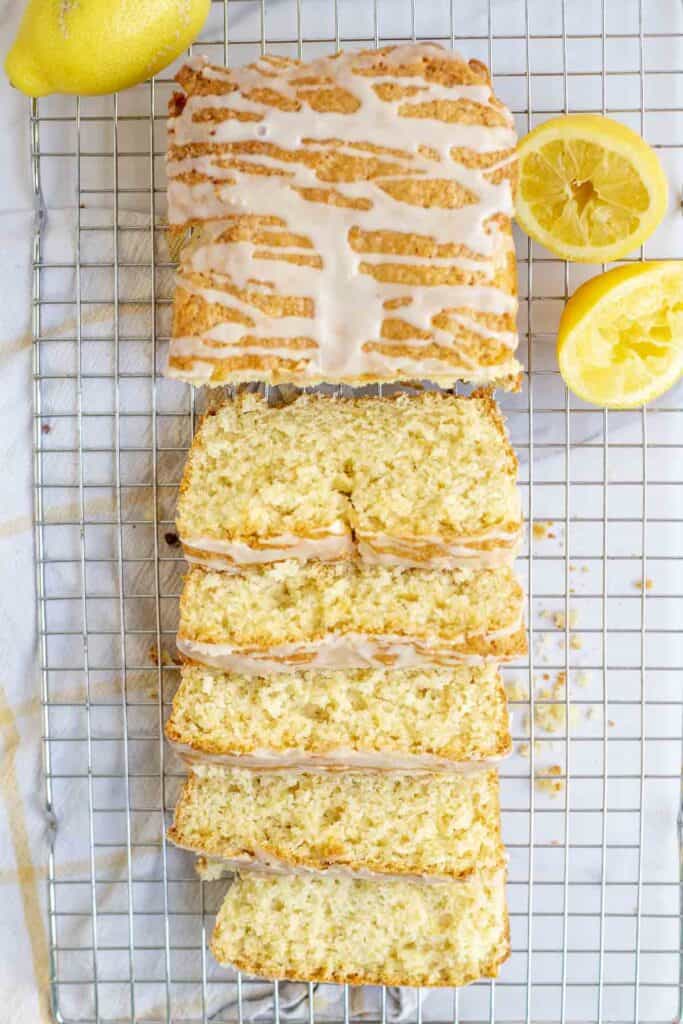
23,932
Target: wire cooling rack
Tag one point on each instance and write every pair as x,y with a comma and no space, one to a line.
591,796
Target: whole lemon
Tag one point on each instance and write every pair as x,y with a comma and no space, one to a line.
98,46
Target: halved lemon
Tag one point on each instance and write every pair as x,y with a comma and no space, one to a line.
590,189
620,339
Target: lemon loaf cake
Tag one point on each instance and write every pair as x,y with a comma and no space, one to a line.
350,220
421,480
343,615
396,719
426,826
364,931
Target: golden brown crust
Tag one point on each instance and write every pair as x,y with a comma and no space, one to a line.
227,851
270,971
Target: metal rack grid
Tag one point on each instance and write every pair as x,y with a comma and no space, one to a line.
594,867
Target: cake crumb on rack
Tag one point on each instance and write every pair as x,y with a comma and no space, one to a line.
523,749
559,620
547,780
516,690
541,651
552,717
646,584
541,529
167,659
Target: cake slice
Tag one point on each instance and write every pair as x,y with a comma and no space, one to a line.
398,719
363,823
364,932
414,480
320,615
350,220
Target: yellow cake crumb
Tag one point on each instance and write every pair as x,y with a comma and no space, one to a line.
559,620
167,659
516,690
541,530
552,717
553,785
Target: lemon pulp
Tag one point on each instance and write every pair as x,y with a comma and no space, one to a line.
590,188
620,340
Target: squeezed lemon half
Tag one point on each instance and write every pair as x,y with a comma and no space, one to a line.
620,339
590,189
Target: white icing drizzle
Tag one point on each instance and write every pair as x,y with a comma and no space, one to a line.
231,554
394,761
348,303
210,868
335,651
372,549
376,550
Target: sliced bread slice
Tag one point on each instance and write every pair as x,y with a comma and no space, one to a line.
364,932
436,719
359,823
